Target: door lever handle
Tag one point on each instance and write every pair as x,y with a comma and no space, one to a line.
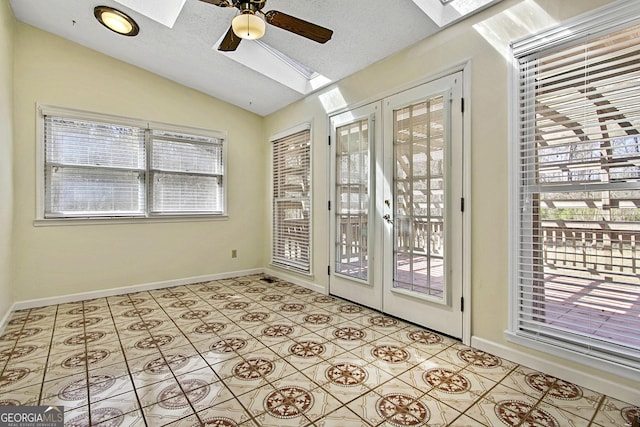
387,218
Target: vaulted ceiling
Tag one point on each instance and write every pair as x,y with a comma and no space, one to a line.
178,40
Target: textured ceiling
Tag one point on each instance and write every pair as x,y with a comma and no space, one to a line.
365,31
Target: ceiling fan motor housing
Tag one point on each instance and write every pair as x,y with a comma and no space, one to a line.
254,26
249,5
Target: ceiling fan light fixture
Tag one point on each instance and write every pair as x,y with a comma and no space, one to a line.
248,25
116,21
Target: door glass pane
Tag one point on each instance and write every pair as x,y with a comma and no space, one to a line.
419,174
352,196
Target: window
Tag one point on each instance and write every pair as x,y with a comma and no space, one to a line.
292,200
98,166
352,198
186,173
576,275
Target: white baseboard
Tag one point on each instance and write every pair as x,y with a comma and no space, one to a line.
5,319
40,302
82,296
280,274
592,382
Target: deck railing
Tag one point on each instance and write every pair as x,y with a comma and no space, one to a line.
591,245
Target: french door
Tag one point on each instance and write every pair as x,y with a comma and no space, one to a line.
422,280
408,216
356,273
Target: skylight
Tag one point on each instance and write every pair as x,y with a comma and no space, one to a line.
307,72
163,11
446,12
276,65
466,7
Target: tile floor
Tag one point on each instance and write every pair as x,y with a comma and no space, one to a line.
252,351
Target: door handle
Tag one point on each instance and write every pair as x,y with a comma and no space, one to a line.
387,218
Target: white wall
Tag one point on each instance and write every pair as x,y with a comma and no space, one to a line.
7,24
484,40
62,260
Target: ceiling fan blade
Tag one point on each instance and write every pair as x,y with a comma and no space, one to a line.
230,41
221,3
298,26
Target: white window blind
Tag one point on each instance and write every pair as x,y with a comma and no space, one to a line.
92,168
186,173
292,201
97,168
577,281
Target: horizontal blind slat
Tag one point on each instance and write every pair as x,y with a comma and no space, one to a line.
96,168
93,168
187,173
291,201
578,278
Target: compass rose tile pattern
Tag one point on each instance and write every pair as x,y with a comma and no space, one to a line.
259,351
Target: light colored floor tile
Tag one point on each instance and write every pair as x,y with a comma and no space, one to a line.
230,411
21,396
528,381
415,376
124,403
253,400
572,398
21,375
181,364
459,390
102,387
296,379
152,394
465,421
396,386
311,349
260,352
342,417
72,390
207,396
614,412
267,420
501,406
206,375
495,373
543,413
76,417
160,414
214,358
189,421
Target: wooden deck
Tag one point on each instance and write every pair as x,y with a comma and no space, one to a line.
589,280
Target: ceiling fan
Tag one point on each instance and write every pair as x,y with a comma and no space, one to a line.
250,23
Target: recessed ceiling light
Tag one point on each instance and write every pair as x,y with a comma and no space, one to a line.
116,21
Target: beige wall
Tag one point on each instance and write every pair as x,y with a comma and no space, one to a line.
489,142
7,24
61,260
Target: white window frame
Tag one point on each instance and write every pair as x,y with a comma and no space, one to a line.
148,216
308,269
603,20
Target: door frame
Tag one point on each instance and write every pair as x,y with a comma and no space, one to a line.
443,314
466,69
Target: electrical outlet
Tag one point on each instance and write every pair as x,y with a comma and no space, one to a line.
234,253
